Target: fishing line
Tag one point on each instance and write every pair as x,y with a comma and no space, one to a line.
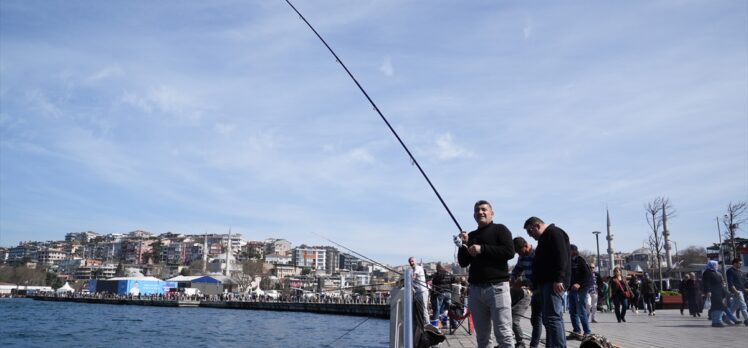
415,281
347,332
413,159
359,254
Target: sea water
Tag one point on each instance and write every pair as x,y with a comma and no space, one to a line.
29,323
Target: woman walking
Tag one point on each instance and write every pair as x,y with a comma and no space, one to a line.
620,293
693,291
715,289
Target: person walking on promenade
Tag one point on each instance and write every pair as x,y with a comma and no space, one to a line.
620,294
715,291
551,273
594,292
693,291
420,286
523,268
736,286
683,296
634,301
487,251
648,294
581,282
521,297
606,294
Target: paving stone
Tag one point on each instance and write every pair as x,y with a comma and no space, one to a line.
667,329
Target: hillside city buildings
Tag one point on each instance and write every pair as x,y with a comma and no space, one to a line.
83,256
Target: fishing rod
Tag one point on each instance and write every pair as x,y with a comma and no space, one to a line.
412,158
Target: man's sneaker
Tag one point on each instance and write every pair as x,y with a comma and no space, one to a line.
745,322
595,321
574,336
718,325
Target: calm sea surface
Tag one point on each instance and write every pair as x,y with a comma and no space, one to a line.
29,323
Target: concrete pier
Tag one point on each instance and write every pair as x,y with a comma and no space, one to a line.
354,309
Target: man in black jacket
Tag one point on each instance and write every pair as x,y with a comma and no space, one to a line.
487,251
581,282
551,273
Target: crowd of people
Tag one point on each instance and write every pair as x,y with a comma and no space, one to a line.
550,279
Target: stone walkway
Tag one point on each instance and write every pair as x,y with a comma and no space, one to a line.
668,329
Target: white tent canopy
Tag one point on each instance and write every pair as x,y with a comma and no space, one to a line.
65,288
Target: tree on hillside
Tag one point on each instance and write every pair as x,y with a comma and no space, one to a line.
120,271
692,255
196,267
22,275
588,256
654,212
53,281
736,215
251,269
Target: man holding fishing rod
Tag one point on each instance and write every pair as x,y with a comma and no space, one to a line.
487,251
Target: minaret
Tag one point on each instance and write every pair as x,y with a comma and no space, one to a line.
666,236
610,243
205,254
228,252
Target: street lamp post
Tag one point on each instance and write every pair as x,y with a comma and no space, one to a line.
597,240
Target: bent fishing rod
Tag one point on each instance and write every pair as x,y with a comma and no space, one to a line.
413,159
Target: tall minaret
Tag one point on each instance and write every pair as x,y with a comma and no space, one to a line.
205,254
228,253
666,236
610,244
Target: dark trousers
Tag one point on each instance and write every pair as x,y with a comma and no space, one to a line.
620,304
536,318
649,302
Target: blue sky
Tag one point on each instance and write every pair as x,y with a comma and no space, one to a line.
203,116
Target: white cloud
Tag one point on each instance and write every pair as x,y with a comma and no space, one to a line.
447,149
136,101
41,102
106,73
360,155
176,103
386,67
225,129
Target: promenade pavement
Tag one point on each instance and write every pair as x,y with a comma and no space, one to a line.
667,329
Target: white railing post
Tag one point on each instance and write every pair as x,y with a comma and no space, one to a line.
408,310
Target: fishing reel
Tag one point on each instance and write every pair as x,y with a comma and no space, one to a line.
457,240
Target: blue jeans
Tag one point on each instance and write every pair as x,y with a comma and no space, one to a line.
553,308
578,309
738,304
717,315
443,300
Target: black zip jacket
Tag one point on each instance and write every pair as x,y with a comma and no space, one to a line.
580,272
552,263
490,266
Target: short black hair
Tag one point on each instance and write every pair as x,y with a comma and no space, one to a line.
481,202
736,260
519,243
532,221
